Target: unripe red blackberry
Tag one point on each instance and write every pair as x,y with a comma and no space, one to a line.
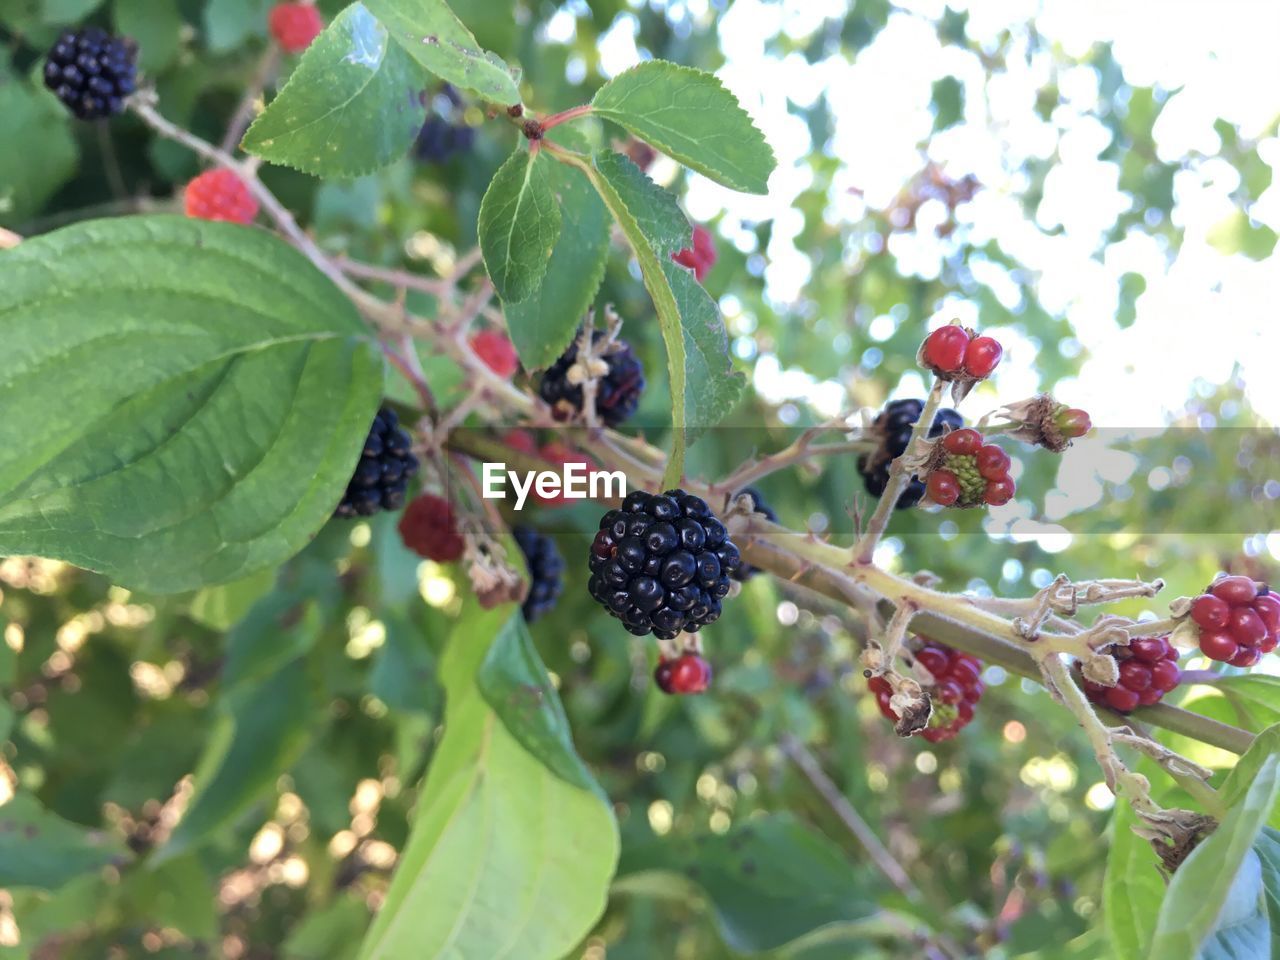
219,194
617,392
892,427
429,528
496,350
687,673
382,475
91,72
295,25
954,353
701,256
1238,620
546,571
956,689
661,564
970,473
1147,668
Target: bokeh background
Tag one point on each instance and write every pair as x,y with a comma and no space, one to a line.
1093,183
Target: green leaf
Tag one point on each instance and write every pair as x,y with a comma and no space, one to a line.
175,895
1234,788
1133,887
228,23
354,103
543,324
703,383
40,849
157,28
28,177
1238,234
519,224
769,881
436,38
689,115
1255,699
330,932
68,11
262,729
506,859
1211,888
948,102
222,607
223,391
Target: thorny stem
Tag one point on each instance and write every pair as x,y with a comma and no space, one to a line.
801,449
952,618
899,478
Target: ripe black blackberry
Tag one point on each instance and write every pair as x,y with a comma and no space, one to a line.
92,72
617,392
546,567
661,564
745,570
439,140
893,428
382,475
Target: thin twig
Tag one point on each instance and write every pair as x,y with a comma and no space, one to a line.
248,106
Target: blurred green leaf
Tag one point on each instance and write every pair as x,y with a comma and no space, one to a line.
436,38
157,28
221,607
330,932
948,102
689,115
28,177
40,849
494,826
228,23
1238,234
1133,888
175,895
188,453
355,103
519,225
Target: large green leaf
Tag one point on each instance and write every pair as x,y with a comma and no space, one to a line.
543,324
688,114
437,39
262,729
507,859
703,383
40,849
354,104
1133,887
1219,885
519,224
222,391
769,881
1236,785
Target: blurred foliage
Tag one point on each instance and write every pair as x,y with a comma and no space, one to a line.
114,701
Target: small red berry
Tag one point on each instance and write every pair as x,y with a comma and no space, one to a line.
999,492
1218,646
1150,649
993,463
295,25
934,660
220,195
1073,422
1269,644
1150,696
944,349
1246,657
701,256
962,442
1246,627
429,528
1165,675
1210,612
1135,676
1121,698
662,675
689,674
949,692
982,356
521,440
1268,610
1237,591
495,349
943,487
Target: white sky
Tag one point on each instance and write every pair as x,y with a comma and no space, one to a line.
1197,319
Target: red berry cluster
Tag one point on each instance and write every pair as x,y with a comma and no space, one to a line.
295,25
687,673
1239,620
429,527
701,257
1148,670
954,353
555,451
496,350
220,195
970,473
957,687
